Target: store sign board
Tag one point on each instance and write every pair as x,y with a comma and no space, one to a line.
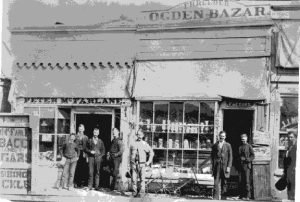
235,104
203,10
14,181
77,101
261,138
13,147
262,153
11,121
14,160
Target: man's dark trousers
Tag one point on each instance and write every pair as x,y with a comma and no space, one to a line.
219,179
81,172
245,181
115,173
94,171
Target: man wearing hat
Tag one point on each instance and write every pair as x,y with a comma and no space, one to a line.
246,156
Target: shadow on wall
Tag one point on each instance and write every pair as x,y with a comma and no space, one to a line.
4,91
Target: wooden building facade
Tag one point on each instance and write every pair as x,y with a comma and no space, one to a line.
182,75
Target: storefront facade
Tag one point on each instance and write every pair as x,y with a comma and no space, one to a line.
182,75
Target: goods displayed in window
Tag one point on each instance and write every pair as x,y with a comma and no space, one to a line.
181,133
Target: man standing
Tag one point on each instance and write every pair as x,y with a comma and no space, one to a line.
221,156
115,156
95,150
246,155
289,163
138,163
70,152
81,173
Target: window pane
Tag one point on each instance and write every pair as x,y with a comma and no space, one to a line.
289,114
160,140
175,141
190,141
46,147
189,160
204,163
175,158
46,125
61,139
161,113
205,142
148,137
63,121
191,114
160,159
207,117
63,126
176,112
283,141
146,112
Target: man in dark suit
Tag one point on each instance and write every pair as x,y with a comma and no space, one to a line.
95,149
289,163
221,156
246,155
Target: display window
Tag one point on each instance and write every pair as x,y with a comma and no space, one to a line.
53,129
180,133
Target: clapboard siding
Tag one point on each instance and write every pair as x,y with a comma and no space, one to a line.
261,181
202,48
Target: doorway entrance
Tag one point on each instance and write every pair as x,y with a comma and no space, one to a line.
236,122
104,123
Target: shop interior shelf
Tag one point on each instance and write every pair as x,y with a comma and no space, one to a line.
186,125
185,149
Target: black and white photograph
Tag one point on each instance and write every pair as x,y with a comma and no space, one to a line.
149,100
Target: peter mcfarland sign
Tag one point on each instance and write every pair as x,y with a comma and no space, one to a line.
197,10
77,101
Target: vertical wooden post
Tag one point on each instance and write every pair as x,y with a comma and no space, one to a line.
34,125
274,133
125,128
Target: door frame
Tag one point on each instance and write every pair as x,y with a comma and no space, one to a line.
240,109
91,110
249,136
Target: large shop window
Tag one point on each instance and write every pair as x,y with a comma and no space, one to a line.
288,122
53,128
180,133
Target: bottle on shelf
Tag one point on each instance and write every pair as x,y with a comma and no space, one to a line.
160,143
186,144
201,127
163,125
148,124
177,143
171,143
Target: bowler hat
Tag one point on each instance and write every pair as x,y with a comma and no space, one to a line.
281,183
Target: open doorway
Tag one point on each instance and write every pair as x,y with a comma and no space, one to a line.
104,123
236,122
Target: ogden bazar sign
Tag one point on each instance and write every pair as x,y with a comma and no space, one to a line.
206,10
